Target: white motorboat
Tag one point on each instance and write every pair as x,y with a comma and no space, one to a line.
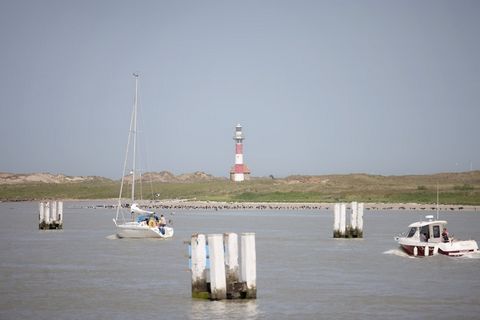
139,223
429,238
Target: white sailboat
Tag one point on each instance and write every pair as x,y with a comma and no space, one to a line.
142,223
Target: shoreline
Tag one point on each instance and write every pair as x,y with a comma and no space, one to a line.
186,204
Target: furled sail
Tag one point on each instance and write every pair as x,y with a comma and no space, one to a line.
135,209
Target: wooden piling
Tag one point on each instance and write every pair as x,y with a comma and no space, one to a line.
50,215
41,215
343,220
198,267
218,285
336,221
353,216
216,273
360,208
53,211
249,264
60,212
231,265
47,213
355,227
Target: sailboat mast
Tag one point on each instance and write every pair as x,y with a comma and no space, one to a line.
135,106
437,201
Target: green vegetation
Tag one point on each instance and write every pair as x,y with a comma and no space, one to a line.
454,188
465,187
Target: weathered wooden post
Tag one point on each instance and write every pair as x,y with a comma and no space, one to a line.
41,216
353,216
343,219
47,214
50,215
53,211
60,214
336,221
217,267
218,275
360,220
199,265
231,265
353,229
249,264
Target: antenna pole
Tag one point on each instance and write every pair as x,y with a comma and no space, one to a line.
437,201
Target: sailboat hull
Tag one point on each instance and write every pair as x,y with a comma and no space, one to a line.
137,230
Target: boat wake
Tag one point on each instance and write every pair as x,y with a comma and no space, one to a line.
398,252
471,255
112,237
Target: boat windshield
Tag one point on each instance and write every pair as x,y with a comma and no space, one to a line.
412,232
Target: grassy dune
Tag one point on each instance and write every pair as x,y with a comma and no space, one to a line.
455,188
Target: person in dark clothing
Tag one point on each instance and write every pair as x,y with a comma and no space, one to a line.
445,235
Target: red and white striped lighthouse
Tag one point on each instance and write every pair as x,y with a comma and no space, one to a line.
240,171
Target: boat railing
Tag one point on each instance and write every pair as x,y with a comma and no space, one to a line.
400,235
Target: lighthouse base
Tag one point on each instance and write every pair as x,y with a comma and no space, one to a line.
238,177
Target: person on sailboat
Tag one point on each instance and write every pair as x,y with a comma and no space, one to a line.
163,221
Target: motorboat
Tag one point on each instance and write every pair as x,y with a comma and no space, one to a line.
430,237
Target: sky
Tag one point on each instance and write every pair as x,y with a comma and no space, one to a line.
320,87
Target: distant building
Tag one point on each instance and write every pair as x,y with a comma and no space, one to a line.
240,171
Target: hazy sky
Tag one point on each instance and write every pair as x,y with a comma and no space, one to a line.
320,87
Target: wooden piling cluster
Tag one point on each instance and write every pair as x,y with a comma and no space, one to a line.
50,215
341,229
217,271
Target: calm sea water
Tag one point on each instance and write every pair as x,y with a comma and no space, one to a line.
302,272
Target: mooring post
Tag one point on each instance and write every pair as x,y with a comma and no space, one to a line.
336,221
60,213
53,210
199,264
217,267
360,219
41,216
353,216
47,213
231,265
343,219
249,264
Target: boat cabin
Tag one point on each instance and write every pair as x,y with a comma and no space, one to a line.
427,231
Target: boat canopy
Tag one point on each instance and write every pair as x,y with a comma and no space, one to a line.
420,224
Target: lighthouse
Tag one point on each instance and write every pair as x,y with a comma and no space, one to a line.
240,171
